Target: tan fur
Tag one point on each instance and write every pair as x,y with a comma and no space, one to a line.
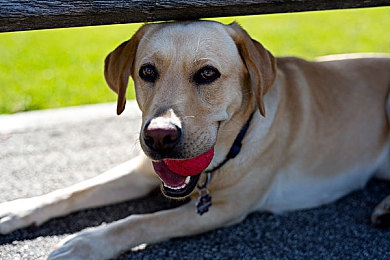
320,130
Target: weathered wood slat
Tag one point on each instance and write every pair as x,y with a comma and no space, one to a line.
32,15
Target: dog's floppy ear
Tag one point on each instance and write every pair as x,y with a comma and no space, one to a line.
118,66
259,62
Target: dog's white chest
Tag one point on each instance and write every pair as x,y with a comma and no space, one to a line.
295,190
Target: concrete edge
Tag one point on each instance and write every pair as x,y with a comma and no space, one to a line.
43,119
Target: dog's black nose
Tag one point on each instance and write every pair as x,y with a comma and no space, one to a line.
160,134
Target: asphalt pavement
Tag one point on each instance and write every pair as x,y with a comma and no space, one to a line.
45,150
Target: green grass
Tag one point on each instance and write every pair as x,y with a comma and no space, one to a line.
64,67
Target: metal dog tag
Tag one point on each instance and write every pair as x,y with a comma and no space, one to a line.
204,202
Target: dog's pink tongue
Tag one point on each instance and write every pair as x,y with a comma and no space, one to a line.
192,166
170,178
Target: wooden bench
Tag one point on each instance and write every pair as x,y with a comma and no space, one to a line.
32,15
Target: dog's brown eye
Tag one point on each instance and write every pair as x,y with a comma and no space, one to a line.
148,73
206,75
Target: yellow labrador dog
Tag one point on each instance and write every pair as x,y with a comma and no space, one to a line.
232,127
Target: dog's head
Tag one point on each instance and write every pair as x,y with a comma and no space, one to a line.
196,84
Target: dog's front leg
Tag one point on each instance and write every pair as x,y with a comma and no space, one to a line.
129,180
110,240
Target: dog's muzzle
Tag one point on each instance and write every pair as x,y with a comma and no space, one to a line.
179,175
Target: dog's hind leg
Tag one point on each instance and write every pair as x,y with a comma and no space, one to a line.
129,180
381,214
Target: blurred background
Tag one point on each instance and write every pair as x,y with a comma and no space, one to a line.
64,67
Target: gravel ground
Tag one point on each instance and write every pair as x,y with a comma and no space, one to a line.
46,150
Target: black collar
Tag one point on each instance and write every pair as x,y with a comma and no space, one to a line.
236,146
204,201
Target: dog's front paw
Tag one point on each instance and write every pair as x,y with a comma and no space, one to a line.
88,244
20,213
381,215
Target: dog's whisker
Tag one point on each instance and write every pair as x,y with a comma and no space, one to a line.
136,142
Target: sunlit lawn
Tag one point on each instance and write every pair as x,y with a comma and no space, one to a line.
64,67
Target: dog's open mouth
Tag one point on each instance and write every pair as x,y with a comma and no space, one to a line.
180,176
174,185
